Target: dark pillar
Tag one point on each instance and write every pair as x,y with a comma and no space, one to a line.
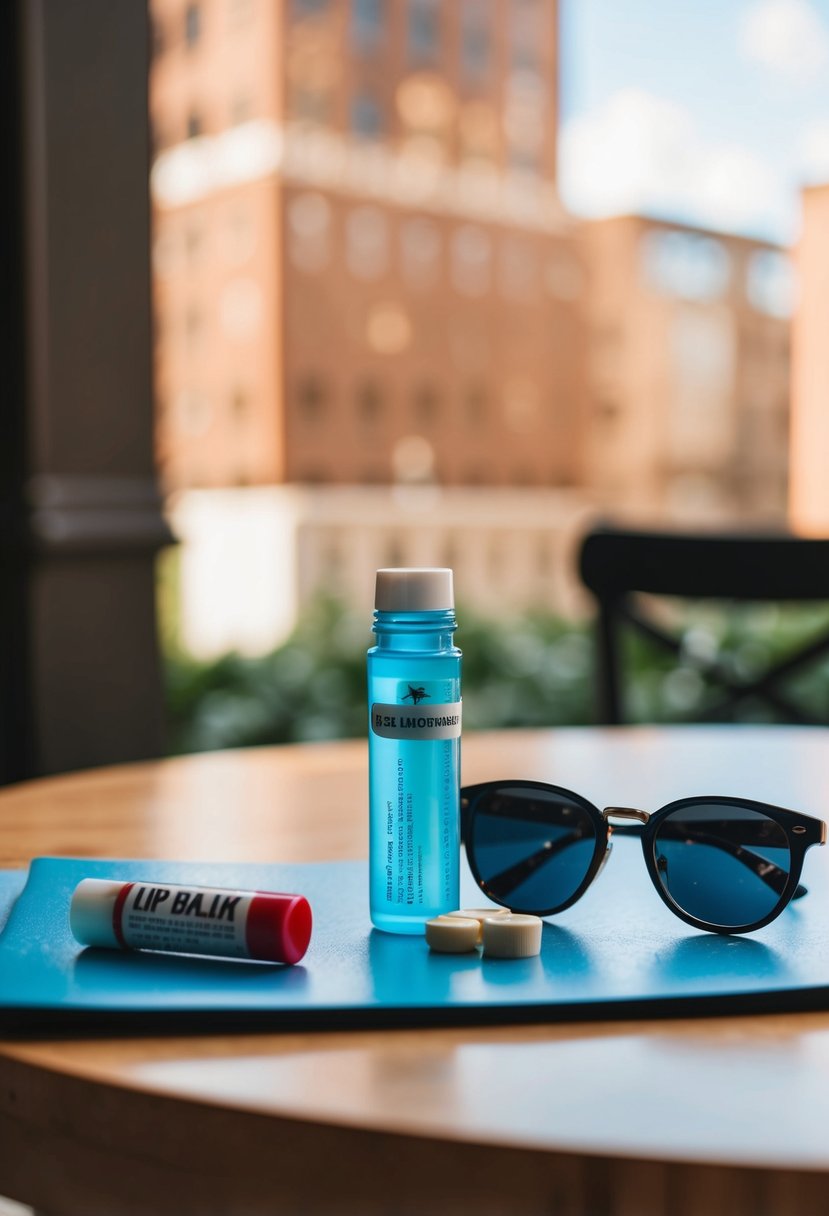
79,508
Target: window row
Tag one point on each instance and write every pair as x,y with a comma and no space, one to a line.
237,313
482,475
426,31
241,108
194,240
193,412
478,260
432,122
518,405
188,28
695,266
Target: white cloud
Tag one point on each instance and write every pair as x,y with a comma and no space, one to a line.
642,153
788,36
813,153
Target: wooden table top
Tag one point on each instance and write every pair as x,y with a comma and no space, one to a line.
646,1118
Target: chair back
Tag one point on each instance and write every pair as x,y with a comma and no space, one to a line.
619,565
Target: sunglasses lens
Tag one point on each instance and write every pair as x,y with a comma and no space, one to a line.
724,865
532,847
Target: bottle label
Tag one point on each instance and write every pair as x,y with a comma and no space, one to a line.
416,721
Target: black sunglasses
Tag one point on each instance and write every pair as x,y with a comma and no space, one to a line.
728,865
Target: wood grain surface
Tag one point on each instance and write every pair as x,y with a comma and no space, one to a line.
668,1118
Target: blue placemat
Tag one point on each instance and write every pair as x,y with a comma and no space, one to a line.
12,883
617,953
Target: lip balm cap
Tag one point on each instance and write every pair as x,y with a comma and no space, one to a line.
415,589
91,912
278,927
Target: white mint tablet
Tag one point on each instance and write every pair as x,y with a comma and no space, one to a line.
480,915
452,934
512,936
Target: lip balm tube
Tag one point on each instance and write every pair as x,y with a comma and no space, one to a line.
265,925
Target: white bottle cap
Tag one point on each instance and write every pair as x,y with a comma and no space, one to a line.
425,589
90,913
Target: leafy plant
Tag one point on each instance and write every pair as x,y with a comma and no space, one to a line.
533,670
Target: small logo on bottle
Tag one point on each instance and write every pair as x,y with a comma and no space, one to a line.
416,695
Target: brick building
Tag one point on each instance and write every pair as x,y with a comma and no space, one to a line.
365,279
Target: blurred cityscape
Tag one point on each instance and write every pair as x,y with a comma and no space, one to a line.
382,340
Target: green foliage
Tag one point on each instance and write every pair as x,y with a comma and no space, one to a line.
535,670
740,640
312,687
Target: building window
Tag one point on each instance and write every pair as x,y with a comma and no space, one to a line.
425,405
476,40
452,551
165,253
192,25
159,138
564,278
366,122
522,406
241,307
309,225
423,31
475,406
770,283
193,327
519,268
193,412
606,411
308,8
367,242
366,24
240,110
395,553
238,235
313,475
477,475
239,404
369,403
471,260
311,398
194,242
310,103
413,462
685,264
527,32
158,38
420,251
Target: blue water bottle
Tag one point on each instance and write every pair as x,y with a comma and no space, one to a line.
414,696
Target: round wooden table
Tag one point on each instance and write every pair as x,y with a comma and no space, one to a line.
663,1118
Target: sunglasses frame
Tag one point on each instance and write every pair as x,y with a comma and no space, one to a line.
802,831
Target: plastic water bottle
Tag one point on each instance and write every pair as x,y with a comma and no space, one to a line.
414,694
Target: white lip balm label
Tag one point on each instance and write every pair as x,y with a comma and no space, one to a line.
418,722
182,919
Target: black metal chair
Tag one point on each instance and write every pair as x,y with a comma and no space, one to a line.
619,566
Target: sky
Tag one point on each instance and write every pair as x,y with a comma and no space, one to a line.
712,112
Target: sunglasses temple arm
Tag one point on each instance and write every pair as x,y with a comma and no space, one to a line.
765,870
